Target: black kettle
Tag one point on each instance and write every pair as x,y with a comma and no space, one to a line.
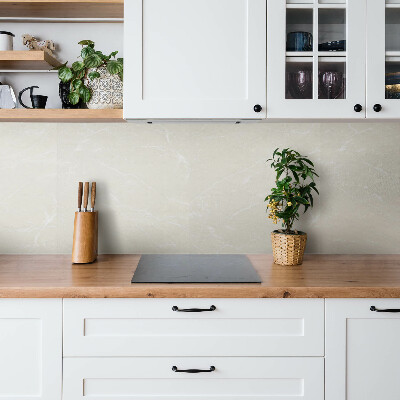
38,101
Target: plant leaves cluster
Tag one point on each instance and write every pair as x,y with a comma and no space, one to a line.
79,70
294,186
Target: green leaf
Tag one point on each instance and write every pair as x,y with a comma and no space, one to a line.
86,43
86,52
301,200
93,61
114,67
93,75
76,84
113,54
79,74
84,93
65,74
121,75
73,98
307,161
77,66
311,200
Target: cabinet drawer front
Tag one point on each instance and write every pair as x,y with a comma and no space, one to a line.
150,327
234,378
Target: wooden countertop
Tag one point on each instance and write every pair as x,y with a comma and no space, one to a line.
323,276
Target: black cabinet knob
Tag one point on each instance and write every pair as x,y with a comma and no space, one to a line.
377,107
257,108
358,108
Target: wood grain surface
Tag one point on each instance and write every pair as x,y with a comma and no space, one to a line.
323,276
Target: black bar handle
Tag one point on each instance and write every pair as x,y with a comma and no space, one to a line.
176,308
393,310
193,371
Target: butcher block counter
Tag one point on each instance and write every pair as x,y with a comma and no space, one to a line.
320,276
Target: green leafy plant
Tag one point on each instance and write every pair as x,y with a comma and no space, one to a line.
294,186
76,74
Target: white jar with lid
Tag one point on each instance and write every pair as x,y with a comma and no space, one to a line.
6,40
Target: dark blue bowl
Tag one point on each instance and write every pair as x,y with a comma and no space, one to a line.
299,41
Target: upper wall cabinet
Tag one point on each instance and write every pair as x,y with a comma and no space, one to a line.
195,59
316,58
383,58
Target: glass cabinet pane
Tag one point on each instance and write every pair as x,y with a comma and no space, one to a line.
299,29
331,78
392,47
299,79
332,29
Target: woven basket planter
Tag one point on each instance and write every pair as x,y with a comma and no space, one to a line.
288,249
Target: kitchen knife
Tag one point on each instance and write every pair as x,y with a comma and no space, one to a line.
80,192
93,196
85,196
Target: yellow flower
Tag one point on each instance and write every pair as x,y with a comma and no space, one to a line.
289,203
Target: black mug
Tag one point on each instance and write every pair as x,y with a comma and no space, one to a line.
37,100
299,41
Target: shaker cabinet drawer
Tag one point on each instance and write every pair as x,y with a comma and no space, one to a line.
232,379
226,327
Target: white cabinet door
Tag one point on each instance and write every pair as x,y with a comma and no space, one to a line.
236,327
152,378
305,78
30,349
383,59
362,349
194,59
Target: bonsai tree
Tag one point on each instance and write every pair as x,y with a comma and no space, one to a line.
82,69
294,185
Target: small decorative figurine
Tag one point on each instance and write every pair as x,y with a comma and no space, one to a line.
34,44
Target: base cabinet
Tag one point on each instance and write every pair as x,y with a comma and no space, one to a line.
233,378
30,349
362,349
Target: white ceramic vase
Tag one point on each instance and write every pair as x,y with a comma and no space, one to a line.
106,91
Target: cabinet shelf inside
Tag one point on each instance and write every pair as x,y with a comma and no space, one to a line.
60,115
62,9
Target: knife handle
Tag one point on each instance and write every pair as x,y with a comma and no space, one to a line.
86,196
80,192
93,195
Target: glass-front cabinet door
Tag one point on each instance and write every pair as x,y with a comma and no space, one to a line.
316,58
383,58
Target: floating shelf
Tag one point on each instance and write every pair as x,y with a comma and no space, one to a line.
27,60
60,115
62,9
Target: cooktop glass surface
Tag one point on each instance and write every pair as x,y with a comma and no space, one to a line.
195,268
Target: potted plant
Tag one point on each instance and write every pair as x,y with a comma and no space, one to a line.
95,80
294,186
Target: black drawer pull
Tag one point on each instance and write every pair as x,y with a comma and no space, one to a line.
193,371
394,310
175,308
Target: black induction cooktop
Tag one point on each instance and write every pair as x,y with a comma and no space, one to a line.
195,268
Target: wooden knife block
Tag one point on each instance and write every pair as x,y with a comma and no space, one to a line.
84,247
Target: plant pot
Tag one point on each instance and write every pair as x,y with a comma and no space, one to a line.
288,249
63,90
106,90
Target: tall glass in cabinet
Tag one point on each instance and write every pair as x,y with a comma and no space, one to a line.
383,59
316,59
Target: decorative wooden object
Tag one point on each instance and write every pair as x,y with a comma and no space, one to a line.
27,60
84,247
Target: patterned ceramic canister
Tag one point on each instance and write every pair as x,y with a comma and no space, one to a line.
106,90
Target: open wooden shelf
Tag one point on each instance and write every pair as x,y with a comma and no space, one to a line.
60,115
27,60
62,9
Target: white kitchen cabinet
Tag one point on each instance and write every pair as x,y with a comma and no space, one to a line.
233,378
30,349
195,59
383,59
304,78
362,349
151,327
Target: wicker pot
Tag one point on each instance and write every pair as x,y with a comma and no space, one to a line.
106,90
288,249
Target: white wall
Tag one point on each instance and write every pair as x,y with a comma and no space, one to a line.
195,188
